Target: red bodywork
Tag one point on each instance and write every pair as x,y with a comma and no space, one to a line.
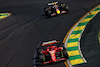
52,50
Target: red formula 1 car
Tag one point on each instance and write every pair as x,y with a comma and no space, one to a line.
56,8
54,52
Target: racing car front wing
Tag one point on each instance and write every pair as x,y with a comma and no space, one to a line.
47,62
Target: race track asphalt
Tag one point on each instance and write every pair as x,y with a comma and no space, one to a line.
27,27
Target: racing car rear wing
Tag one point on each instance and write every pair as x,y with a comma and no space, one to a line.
52,3
49,43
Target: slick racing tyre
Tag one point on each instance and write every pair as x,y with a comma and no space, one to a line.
66,9
46,11
41,57
49,13
64,53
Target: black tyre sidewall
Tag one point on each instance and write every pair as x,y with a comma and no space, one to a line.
66,9
49,13
41,56
65,53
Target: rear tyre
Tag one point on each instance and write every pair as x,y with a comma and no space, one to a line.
41,57
46,11
49,13
64,53
66,9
